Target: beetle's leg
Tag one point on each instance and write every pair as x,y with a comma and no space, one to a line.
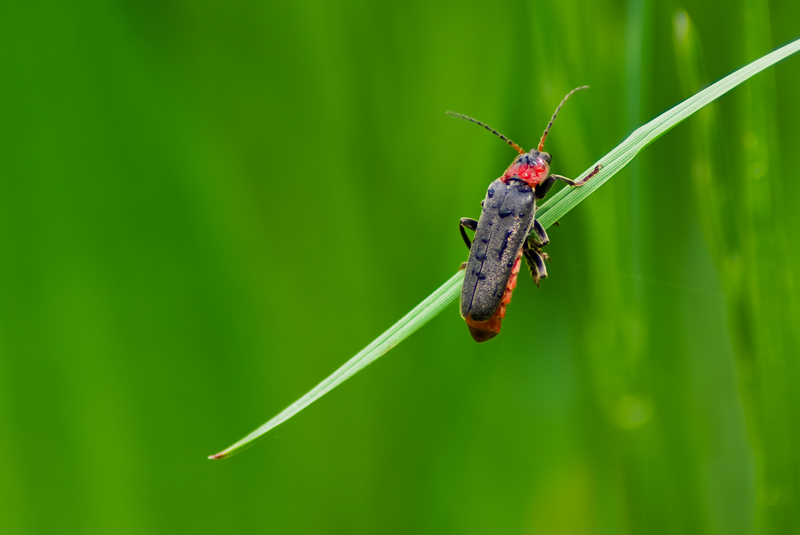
571,182
534,244
543,187
535,260
541,238
471,224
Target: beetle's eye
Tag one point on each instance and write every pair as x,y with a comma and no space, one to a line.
546,157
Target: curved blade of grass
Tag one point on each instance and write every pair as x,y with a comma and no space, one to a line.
558,205
567,198
419,316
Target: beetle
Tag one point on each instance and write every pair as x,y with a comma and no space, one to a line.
506,231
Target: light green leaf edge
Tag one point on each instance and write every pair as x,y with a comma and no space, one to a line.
551,211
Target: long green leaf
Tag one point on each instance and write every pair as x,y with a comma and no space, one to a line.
558,205
419,316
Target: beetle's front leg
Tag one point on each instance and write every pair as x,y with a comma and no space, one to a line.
543,187
571,182
471,224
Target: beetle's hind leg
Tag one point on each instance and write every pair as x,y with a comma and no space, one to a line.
535,258
537,239
469,223
541,238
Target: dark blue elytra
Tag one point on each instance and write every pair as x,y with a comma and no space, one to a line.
504,225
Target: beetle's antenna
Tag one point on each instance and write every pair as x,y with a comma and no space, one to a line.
489,128
546,130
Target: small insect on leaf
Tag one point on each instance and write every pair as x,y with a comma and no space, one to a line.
506,231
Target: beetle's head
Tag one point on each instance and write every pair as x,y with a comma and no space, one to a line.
534,166
531,167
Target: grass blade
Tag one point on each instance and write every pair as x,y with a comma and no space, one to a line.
558,205
398,332
567,198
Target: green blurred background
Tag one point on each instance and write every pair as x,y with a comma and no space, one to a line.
207,208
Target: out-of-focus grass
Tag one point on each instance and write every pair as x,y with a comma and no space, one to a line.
204,206
746,231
